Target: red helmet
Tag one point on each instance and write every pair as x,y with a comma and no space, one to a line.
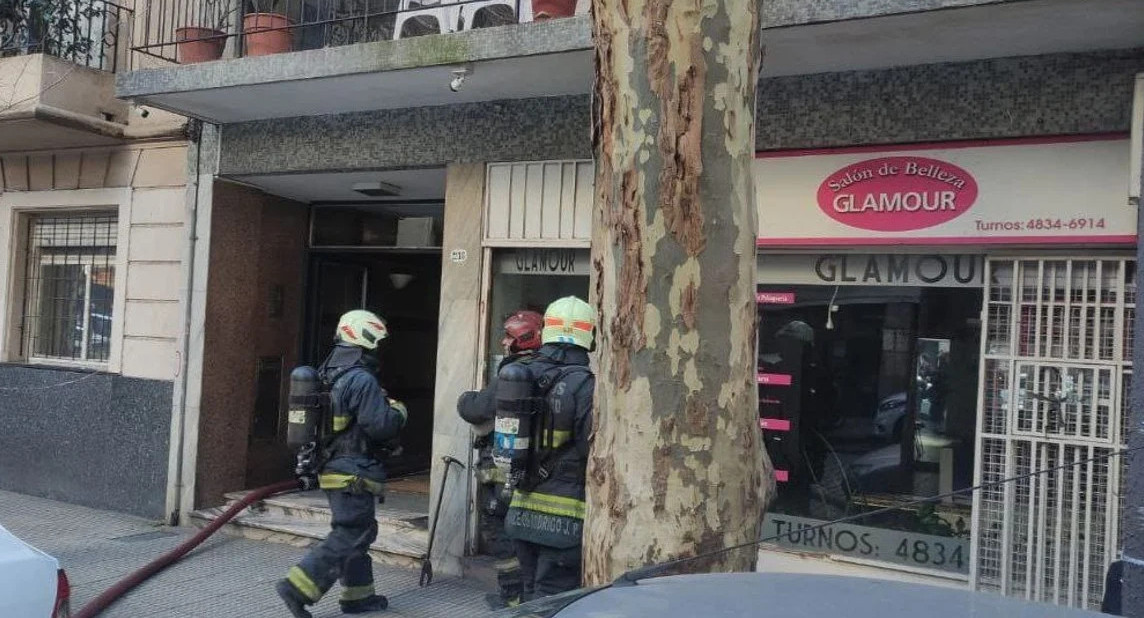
522,331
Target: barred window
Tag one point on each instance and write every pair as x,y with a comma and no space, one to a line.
70,286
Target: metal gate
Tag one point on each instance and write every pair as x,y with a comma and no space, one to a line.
1055,376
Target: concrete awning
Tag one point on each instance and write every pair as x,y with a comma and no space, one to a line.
538,59
956,34
49,103
554,58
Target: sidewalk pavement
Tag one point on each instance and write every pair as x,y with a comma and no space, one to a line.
224,577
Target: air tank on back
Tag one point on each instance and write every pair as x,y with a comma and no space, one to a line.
305,407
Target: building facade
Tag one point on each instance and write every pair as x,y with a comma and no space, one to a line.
946,260
92,206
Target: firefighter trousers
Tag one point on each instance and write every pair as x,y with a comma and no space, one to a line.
546,570
344,555
495,543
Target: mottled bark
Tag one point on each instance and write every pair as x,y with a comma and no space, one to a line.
677,467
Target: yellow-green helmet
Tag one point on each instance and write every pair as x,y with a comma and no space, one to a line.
569,320
362,328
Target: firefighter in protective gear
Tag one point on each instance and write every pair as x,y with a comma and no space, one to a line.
363,421
478,408
545,518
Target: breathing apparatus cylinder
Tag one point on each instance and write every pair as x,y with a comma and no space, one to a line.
305,405
512,429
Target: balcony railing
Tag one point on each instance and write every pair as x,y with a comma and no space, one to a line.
189,31
86,32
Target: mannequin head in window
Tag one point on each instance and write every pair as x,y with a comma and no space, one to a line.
787,343
797,330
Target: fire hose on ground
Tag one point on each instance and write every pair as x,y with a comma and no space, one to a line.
109,596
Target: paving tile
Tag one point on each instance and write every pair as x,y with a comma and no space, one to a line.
226,576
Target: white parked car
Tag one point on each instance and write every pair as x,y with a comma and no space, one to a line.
891,414
32,584
889,417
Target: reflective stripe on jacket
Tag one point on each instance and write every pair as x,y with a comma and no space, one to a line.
334,481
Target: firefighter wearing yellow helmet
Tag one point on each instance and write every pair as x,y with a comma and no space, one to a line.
362,422
543,419
569,320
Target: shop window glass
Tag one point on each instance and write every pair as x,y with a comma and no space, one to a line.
530,279
868,400
527,279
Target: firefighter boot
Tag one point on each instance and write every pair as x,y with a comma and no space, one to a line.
497,600
372,603
510,585
295,602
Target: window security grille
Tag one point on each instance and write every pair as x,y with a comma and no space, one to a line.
1056,370
69,286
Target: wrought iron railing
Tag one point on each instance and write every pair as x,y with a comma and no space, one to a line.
188,31
86,32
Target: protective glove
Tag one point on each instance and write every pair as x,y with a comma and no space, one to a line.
399,407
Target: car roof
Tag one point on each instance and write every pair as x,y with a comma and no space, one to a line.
797,595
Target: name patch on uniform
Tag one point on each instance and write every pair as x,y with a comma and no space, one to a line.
545,523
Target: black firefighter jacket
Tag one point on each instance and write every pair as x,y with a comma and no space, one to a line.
363,422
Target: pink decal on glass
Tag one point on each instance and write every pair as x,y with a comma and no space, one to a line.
774,379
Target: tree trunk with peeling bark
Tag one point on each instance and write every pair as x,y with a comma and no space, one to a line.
677,467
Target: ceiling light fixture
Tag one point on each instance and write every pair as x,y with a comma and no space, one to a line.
400,280
377,189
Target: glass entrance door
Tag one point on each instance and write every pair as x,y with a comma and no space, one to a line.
341,286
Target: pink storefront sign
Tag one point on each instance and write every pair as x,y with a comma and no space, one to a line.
897,194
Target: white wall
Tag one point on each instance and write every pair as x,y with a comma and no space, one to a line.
146,185
547,201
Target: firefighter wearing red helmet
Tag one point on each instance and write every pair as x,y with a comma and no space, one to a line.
522,337
522,332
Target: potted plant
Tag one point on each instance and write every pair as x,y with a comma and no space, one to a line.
550,9
264,28
205,43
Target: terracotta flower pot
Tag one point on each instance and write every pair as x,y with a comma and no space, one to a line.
193,44
549,9
261,36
